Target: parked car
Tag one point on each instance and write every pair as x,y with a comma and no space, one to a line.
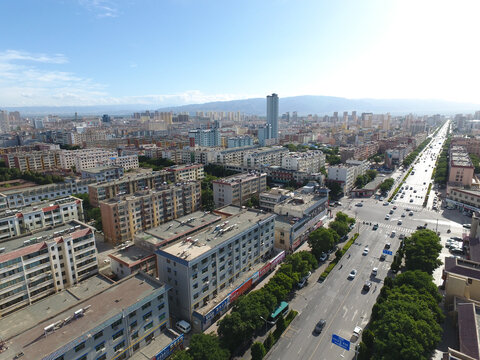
467,226
383,257
323,257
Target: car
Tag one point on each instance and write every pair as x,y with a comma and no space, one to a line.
338,203
387,217
367,286
403,215
399,222
302,283
391,212
374,271
424,183
411,200
393,234
381,198
456,238
383,257
415,191
365,251
467,226
352,274
410,213
319,327
387,245
375,227
401,236
402,196
411,187
183,326
323,257
356,332
386,203
359,204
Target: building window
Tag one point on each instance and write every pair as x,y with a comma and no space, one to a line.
100,347
135,335
80,347
147,315
117,335
102,357
133,324
119,346
83,357
146,305
148,326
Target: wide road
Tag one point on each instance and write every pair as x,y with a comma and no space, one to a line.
340,301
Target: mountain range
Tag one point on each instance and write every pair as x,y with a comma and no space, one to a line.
304,105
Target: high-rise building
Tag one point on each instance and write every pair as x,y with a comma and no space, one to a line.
4,121
272,114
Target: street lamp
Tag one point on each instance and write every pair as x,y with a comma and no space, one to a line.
261,317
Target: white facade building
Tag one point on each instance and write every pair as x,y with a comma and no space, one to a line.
39,265
310,161
271,156
237,189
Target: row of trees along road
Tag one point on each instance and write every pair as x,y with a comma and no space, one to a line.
405,321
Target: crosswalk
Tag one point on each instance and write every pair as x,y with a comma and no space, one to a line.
389,227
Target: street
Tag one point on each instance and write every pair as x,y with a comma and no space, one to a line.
340,301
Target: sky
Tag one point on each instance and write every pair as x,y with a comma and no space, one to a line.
174,52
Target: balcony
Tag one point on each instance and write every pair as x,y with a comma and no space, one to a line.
12,287
38,267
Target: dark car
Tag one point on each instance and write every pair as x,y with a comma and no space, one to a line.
319,327
375,227
367,286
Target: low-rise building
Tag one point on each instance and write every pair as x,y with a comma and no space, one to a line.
33,218
268,199
32,160
36,266
464,199
186,172
395,156
461,279
90,158
239,141
298,216
237,189
117,321
210,263
129,258
103,173
127,185
345,175
127,215
15,198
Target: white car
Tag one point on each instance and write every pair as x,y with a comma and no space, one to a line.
399,222
352,274
365,251
375,271
387,217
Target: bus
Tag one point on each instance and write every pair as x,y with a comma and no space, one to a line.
282,309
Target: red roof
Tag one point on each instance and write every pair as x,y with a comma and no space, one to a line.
22,252
50,208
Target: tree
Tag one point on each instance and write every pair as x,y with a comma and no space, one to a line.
207,347
386,185
269,341
339,227
321,240
372,174
342,217
208,204
335,189
258,351
281,325
421,251
333,159
233,331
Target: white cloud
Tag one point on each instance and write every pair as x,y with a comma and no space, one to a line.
102,8
13,55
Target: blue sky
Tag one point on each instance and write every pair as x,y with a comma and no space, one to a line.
170,52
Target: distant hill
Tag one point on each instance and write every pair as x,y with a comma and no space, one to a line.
321,105
304,105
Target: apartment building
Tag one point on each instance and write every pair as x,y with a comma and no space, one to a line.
395,156
465,199
310,161
461,169
360,152
461,279
124,320
130,258
264,156
239,141
91,158
297,216
213,262
472,145
103,173
345,175
187,172
15,198
32,161
233,156
128,184
237,189
127,215
35,266
205,137
33,218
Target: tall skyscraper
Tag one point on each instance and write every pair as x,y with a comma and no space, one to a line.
272,114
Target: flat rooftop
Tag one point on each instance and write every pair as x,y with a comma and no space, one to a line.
161,341
462,267
129,177
39,206
238,178
39,237
39,188
100,169
178,228
131,255
459,156
468,328
302,202
48,307
102,306
208,239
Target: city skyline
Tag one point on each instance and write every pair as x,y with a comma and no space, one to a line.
106,52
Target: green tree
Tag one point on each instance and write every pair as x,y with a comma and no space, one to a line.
372,174
269,341
386,185
341,228
321,240
333,159
233,331
422,249
342,217
281,325
207,347
335,189
208,204
258,351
